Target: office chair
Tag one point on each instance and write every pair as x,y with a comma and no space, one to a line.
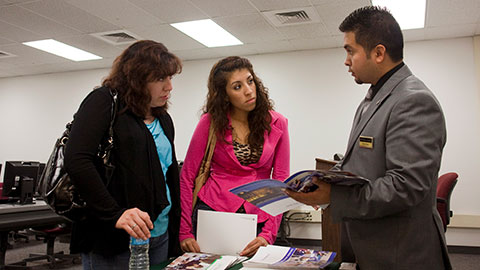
446,183
49,234
14,235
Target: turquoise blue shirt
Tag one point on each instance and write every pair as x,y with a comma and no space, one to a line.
164,151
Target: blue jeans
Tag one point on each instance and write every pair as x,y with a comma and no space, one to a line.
158,252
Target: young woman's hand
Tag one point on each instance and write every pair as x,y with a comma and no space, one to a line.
253,246
136,223
190,245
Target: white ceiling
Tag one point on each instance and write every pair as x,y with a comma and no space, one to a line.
74,21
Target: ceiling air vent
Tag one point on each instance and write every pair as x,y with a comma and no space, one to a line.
292,16
117,37
5,54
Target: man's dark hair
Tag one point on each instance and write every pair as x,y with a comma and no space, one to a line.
375,25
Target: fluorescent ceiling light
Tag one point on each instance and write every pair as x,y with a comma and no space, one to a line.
61,49
410,14
207,32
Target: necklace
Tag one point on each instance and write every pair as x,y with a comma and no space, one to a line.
240,134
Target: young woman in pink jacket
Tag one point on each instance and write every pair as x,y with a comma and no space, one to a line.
252,143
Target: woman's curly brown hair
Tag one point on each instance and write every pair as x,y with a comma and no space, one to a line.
218,107
142,62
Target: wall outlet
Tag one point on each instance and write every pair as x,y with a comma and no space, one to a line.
304,216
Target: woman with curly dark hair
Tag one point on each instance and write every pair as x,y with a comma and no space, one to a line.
252,143
142,198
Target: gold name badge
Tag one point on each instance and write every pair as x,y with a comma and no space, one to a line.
366,142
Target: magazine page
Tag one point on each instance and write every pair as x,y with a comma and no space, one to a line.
288,257
192,260
268,195
307,259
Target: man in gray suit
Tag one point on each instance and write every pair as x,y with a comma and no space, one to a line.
396,142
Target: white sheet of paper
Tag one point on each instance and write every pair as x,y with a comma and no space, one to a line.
225,233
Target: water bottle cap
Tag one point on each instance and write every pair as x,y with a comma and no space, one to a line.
139,241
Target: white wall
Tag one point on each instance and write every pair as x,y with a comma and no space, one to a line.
311,88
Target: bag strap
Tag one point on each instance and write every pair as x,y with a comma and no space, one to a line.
205,165
113,114
212,141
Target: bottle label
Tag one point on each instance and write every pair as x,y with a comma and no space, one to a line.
139,241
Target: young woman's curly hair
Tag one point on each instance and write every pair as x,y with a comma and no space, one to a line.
143,62
218,106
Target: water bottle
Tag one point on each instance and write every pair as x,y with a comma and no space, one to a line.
139,254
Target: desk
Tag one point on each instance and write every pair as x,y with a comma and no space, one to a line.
18,217
332,266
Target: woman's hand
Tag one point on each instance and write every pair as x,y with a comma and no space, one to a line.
136,223
190,245
253,246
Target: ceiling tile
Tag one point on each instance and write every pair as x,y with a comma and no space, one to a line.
315,43
342,3
169,36
181,11
250,28
274,46
118,12
67,14
414,34
29,56
12,2
5,40
17,34
222,8
447,12
268,5
451,31
235,50
307,31
93,45
26,19
204,53
333,12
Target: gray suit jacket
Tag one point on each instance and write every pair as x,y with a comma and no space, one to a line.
392,222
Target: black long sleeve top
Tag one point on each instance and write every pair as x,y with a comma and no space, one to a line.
137,180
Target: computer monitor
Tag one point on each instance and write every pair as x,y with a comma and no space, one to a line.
20,180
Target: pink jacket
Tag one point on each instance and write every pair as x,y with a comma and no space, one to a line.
226,172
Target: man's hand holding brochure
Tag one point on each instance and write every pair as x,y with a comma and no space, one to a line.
270,195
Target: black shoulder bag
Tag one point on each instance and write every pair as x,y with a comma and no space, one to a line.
56,187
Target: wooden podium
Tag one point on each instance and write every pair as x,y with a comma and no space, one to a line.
331,232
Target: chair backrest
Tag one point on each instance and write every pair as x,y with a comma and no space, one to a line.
446,183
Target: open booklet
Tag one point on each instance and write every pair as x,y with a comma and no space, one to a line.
280,257
268,195
192,260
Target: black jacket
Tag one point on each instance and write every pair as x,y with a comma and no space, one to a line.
137,181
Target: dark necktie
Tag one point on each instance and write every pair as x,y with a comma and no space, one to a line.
367,100
365,104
